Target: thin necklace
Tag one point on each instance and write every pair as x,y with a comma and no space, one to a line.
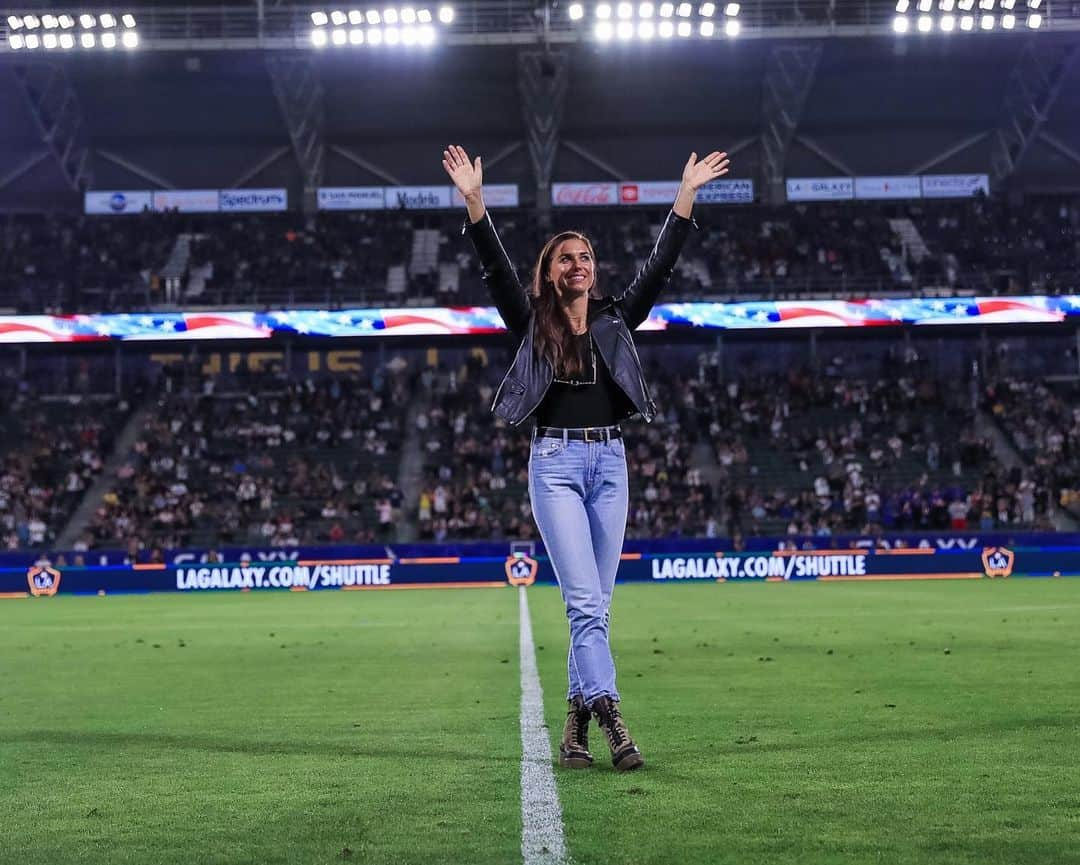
592,366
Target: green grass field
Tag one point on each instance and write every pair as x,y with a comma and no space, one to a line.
801,723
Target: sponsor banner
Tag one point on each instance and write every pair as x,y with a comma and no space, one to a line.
117,203
495,195
584,194
253,200
903,186
518,569
648,192
955,185
417,197
351,198
820,188
187,200
478,320
727,192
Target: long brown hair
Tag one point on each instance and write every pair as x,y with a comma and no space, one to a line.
554,339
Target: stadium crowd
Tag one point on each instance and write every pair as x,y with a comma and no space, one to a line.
78,264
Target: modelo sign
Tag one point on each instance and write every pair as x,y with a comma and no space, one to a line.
584,194
253,200
417,197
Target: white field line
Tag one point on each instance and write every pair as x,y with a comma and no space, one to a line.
542,839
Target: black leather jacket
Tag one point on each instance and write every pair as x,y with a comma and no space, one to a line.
610,320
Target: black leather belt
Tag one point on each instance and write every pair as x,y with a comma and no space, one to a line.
582,434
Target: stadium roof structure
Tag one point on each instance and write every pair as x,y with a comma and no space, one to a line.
224,97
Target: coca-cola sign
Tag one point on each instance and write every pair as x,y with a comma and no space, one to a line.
584,194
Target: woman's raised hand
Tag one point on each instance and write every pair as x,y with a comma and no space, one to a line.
696,174
468,176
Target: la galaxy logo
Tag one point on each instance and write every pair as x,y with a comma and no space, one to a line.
43,580
998,561
521,569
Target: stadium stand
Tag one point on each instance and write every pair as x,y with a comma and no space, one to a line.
401,258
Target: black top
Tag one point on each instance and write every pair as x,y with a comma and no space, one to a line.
593,400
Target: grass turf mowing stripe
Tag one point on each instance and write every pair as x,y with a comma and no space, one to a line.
542,841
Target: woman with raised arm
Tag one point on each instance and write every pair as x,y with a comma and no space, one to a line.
577,372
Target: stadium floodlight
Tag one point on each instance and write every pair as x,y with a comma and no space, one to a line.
318,38
87,40
646,10
374,36
391,36
666,29
356,17
947,23
424,16
732,28
128,21
446,14
925,24
14,22
408,15
1034,4
356,36
32,22
1008,21
667,10
683,29
900,24
32,40
646,30
684,10
603,11
625,30
625,10
1034,21
15,41
426,35
390,15
706,28
67,22
373,16
986,4
338,18
947,5
604,31
107,20
50,41
339,36
967,5
130,39
707,10
49,22
67,41
967,22
902,6
1008,4
409,35
925,5
319,19
577,11
732,9
987,22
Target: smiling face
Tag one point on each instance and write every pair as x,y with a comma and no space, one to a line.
572,269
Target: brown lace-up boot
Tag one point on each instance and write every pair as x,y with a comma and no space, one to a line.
625,755
574,747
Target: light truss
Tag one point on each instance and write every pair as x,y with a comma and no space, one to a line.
521,22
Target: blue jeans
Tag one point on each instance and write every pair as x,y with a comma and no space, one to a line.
579,498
